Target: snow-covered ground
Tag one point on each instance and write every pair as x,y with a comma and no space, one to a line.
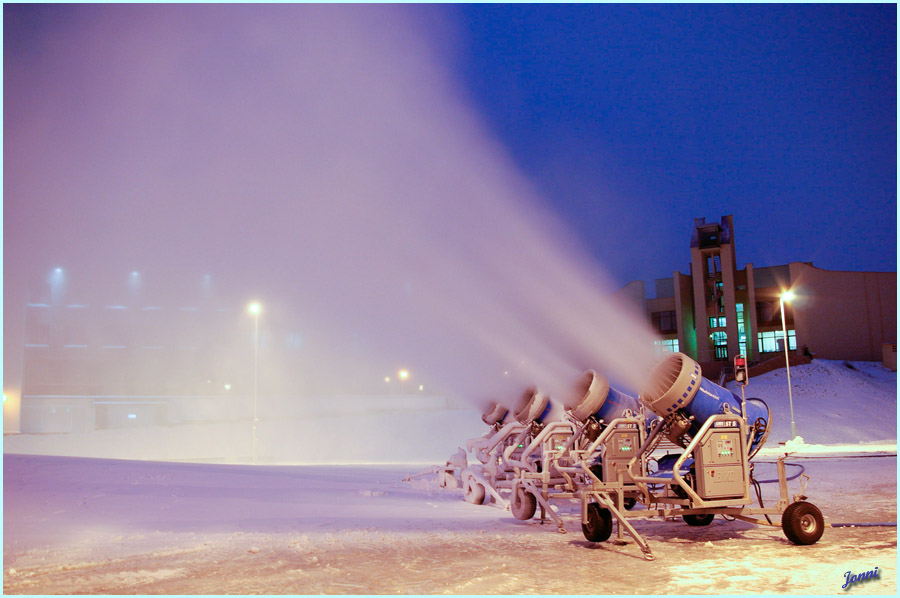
82,525
74,525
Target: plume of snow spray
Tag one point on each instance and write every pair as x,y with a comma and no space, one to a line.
324,160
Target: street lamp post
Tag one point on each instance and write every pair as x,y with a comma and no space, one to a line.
255,308
787,296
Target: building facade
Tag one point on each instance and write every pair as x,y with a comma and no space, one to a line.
718,311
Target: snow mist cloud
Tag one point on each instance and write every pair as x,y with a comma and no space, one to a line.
319,159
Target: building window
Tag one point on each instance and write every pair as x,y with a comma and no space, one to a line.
765,311
742,327
717,322
666,345
772,341
664,321
720,342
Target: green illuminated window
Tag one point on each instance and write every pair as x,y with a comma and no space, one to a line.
717,322
720,342
742,328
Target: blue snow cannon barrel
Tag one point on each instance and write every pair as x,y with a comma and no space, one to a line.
595,397
537,407
496,413
676,384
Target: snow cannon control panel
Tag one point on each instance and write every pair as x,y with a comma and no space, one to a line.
621,447
721,468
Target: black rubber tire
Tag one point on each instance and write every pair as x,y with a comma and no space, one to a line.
599,525
802,523
699,520
629,502
522,504
474,492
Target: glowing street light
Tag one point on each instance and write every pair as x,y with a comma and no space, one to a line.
787,296
255,309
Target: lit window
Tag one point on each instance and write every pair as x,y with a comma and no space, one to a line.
668,345
772,341
720,342
742,328
717,322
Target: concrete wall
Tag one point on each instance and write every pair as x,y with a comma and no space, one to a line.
889,356
634,292
663,304
844,315
684,308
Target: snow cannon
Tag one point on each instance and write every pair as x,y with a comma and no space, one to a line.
497,414
676,387
536,407
597,399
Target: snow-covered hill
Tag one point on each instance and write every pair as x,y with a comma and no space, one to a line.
835,403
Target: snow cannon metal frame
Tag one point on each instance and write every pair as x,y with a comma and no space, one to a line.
712,476
511,430
496,416
613,426
455,472
601,428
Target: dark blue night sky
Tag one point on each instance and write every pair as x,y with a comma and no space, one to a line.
635,119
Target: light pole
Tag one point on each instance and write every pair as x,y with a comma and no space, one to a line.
787,296
255,309
403,375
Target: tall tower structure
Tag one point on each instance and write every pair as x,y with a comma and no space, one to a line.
719,325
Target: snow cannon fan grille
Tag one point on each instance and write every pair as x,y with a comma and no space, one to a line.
591,390
494,413
672,384
533,406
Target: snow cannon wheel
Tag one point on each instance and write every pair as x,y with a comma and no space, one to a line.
802,523
699,520
522,504
629,502
599,523
474,492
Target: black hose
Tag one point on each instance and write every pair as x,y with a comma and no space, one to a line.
766,430
839,456
788,479
759,498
